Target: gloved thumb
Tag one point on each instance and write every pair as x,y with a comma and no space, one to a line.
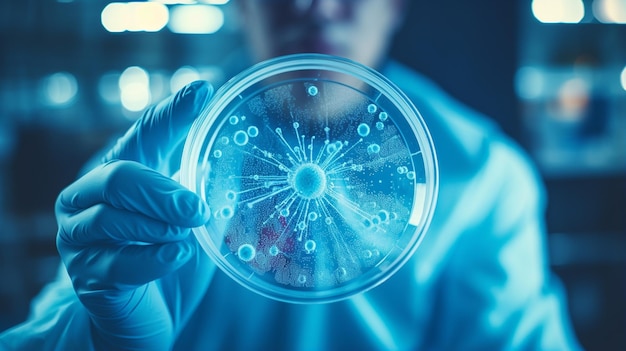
157,138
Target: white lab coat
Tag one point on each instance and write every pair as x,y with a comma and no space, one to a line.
480,280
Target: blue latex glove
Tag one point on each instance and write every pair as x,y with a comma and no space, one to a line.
124,232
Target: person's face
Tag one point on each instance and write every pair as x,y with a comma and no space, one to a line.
356,29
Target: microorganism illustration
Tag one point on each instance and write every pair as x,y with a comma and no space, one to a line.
317,188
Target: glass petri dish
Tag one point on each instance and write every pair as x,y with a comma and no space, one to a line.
321,176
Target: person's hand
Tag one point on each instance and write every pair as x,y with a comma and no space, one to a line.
124,232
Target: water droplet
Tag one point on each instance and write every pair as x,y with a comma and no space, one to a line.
227,212
376,220
312,90
274,250
246,252
363,130
410,175
380,125
233,120
224,140
373,149
253,131
231,195
371,108
217,153
240,138
384,215
383,116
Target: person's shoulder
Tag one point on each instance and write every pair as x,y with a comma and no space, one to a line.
464,138
438,108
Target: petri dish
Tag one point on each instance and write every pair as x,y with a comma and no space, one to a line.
320,173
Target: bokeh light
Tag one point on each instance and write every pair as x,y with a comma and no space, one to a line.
134,16
195,19
610,11
182,77
558,11
59,89
134,87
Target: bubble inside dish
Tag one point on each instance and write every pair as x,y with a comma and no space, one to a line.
320,174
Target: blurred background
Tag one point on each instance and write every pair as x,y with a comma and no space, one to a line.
552,73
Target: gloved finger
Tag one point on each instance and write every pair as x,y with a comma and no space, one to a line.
136,188
162,128
103,223
122,267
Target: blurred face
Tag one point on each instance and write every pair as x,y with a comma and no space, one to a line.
360,30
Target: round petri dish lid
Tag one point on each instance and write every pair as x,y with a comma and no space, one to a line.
320,174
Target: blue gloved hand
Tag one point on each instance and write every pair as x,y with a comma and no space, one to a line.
124,232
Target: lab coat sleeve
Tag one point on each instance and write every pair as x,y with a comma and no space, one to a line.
57,321
498,292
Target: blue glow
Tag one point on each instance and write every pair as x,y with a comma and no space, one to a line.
59,88
309,181
246,252
312,90
240,138
363,130
373,149
253,131
195,19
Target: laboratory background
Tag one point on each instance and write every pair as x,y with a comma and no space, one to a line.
552,73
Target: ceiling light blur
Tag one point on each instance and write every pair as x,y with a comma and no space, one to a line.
610,11
195,19
623,78
558,11
215,2
190,2
134,16
175,2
